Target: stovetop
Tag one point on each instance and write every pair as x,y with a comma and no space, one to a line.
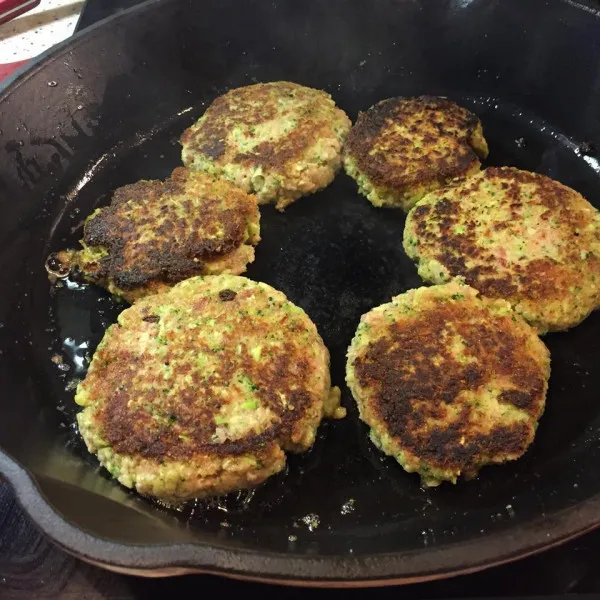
571,568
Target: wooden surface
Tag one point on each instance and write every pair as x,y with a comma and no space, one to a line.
31,568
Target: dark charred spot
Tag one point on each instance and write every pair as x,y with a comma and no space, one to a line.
455,264
421,211
525,400
151,318
497,286
213,148
227,295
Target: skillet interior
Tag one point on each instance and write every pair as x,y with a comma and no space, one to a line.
108,109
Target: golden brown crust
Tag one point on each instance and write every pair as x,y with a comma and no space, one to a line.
156,233
254,105
155,401
515,235
134,431
422,391
404,143
280,140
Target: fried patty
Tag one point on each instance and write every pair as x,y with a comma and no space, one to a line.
200,390
403,148
448,381
278,140
155,234
515,235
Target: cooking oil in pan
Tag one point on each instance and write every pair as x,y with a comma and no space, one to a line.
342,257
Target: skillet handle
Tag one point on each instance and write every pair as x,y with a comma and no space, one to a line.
9,9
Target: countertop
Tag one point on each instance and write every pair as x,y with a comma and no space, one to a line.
36,30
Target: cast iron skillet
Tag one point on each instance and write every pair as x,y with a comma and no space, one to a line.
107,107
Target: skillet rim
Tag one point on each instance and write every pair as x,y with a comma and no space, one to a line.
326,571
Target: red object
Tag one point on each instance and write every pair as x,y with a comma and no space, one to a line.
9,9
7,68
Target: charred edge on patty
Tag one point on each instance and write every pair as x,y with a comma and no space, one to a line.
369,126
406,399
163,258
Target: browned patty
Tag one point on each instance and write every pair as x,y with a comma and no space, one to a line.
402,148
157,233
202,389
515,235
448,381
278,140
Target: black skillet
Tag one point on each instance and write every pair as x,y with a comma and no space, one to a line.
106,108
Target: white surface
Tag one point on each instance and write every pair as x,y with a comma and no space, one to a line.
35,31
